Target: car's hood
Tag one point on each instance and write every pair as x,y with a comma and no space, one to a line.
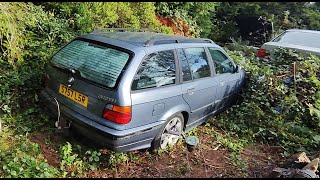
304,49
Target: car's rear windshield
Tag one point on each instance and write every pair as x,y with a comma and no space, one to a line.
308,39
100,64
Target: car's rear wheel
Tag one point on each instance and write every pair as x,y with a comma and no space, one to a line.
169,133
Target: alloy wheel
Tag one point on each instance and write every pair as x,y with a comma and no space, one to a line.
171,132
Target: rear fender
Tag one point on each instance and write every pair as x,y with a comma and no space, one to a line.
174,110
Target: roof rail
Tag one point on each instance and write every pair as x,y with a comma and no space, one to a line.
182,40
125,29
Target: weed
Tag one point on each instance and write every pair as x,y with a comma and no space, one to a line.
196,161
93,158
184,168
233,144
180,142
116,158
167,150
239,162
133,157
208,129
70,163
193,132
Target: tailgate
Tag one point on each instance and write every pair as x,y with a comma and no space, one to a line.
84,76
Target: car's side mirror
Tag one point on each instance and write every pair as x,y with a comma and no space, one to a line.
237,68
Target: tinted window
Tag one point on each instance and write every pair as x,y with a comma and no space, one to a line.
157,69
94,62
186,73
222,63
300,38
198,62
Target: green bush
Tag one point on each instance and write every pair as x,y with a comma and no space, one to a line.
85,17
29,37
198,15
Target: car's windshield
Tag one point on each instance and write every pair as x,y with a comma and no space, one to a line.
94,62
300,38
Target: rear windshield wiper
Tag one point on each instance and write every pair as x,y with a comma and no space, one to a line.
73,71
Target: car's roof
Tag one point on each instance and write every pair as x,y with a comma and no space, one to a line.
147,38
304,30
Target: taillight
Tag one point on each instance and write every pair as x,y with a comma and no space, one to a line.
118,114
262,53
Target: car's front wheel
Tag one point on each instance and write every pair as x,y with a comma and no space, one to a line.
169,133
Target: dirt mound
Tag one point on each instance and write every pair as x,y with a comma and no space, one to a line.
48,152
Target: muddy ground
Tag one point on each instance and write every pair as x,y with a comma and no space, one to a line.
207,160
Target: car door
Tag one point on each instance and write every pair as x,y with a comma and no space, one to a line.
198,87
225,76
155,88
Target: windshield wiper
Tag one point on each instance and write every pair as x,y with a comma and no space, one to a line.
73,71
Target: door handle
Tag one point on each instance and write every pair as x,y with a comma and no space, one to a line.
221,83
190,91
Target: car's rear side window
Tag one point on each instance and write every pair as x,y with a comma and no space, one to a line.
97,63
157,69
308,39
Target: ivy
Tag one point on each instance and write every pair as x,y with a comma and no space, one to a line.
276,108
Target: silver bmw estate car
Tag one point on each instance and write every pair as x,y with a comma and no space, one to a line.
134,90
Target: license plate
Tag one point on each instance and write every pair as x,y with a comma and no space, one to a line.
73,95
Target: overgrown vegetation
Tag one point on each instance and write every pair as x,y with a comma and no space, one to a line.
284,15
277,109
196,15
29,35
21,158
285,102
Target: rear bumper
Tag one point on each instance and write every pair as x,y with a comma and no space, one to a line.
121,141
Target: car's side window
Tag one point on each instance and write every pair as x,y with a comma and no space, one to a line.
197,60
186,72
157,69
221,62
